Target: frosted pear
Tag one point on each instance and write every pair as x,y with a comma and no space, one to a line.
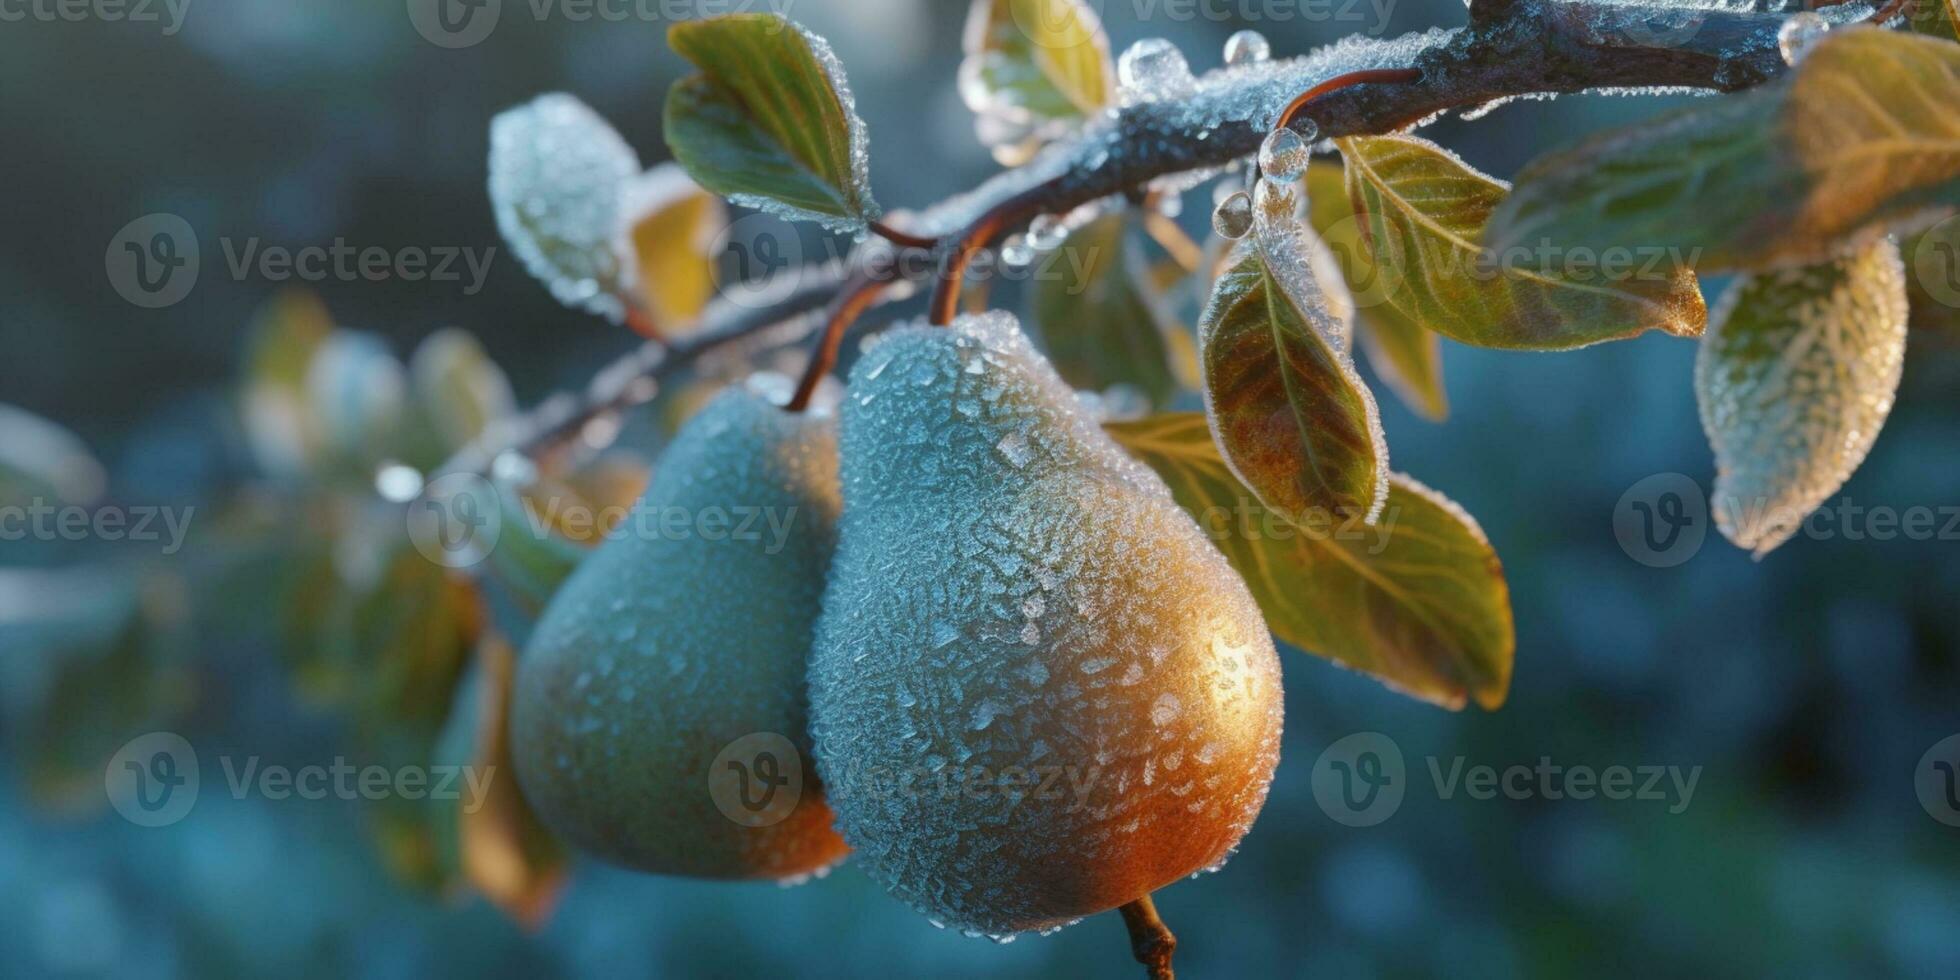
688,629
1038,692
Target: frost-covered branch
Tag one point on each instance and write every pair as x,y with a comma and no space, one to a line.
1511,49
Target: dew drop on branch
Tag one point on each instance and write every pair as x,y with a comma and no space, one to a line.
1799,34
1016,251
1247,48
1153,70
1284,155
1046,233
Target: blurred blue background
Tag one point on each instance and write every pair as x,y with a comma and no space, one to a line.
1807,687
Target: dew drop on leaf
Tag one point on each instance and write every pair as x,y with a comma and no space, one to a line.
1232,218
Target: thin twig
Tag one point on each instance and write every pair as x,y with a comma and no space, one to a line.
1151,941
859,291
896,237
1512,48
1370,76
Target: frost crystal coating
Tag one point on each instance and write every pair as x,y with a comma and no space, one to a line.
557,171
1013,596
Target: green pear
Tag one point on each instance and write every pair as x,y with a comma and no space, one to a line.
1038,691
660,717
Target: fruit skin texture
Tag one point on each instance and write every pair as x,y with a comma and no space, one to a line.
1014,599
664,647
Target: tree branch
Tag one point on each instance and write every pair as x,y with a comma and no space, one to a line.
1512,48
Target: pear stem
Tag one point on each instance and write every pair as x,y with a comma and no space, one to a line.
1151,941
861,289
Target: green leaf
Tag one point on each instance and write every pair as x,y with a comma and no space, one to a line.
1936,18
673,225
769,121
1291,416
557,170
1861,134
1101,321
1795,379
457,387
1030,60
1423,213
1419,600
1407,355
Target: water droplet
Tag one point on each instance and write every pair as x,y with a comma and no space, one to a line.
1799,34
1046,233
1233,216
1284,155
1153,70
1247,48
1016,251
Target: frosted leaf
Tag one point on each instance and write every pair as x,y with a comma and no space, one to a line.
1153,70
1284,155
1799,33
557,173
1275,202
1233,216
1247,48
1113,562
1794,379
